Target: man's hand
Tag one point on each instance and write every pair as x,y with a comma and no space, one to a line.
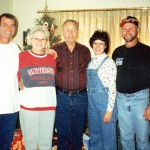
147,113
107,117
52,52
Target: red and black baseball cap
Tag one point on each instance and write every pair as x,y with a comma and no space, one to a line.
129,19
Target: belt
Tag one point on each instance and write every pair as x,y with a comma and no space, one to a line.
72,93
133,93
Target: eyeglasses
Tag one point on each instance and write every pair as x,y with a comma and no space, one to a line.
67,31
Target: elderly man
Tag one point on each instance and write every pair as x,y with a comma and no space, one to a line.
72,61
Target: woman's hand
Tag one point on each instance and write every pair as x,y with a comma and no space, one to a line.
21,85
107,117
147,113
52,52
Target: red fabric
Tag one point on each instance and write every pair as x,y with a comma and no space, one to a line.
17,143
71,66
39,108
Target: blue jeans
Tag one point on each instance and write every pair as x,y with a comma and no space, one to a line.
132,124
102,135
7,127
70,120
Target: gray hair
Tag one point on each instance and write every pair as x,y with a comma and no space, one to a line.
35,29
73,21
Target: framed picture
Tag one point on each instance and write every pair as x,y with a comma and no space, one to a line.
24,38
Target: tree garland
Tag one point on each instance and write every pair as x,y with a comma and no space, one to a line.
48,22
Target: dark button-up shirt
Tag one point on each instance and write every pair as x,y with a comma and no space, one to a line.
71,66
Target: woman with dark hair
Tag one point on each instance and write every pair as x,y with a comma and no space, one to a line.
101,85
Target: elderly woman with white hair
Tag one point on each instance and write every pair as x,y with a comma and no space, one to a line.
37,95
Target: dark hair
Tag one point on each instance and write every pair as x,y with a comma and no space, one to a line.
73,21
100,35
10,16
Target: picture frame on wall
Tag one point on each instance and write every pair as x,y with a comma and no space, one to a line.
24,38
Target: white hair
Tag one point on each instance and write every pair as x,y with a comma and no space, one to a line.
35,29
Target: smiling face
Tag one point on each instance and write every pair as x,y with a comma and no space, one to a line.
38,42
129,32
70,32
7,29
98,47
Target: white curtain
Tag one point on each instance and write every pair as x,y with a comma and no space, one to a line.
107,20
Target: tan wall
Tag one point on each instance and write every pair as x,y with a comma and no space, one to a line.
26,10
6,6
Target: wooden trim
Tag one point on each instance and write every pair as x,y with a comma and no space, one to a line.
84,10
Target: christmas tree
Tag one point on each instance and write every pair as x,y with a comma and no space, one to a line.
49,23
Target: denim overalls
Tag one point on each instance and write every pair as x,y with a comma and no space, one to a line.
102,135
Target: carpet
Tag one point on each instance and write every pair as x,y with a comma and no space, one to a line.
18,144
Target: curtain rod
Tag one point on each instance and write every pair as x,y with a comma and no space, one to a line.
83,10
